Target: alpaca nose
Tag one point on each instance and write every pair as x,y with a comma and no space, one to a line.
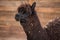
17,17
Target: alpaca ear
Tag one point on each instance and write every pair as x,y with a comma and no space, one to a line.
33,5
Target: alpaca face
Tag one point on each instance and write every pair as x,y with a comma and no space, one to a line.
24,12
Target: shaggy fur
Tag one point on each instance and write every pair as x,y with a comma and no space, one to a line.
53,29
32,27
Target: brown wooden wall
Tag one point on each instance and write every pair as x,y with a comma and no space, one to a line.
46,10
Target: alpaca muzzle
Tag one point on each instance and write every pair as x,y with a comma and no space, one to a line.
17,17
22,21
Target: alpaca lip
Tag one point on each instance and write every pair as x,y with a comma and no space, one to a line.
22,20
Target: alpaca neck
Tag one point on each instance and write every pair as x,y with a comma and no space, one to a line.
34,30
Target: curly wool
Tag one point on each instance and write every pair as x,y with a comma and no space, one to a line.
53,29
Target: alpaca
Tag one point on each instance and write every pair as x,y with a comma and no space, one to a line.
32,26
30,22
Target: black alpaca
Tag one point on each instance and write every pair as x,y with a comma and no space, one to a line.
30,23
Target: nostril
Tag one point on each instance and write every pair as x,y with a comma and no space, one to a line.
17,15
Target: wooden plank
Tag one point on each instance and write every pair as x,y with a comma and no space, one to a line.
7,14
47,10
34,0
48,4
14,0
45,0
12,3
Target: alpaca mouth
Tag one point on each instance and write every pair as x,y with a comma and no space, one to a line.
22,20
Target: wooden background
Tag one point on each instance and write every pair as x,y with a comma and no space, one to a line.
46,10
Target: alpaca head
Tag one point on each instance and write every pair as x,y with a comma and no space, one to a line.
24,12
